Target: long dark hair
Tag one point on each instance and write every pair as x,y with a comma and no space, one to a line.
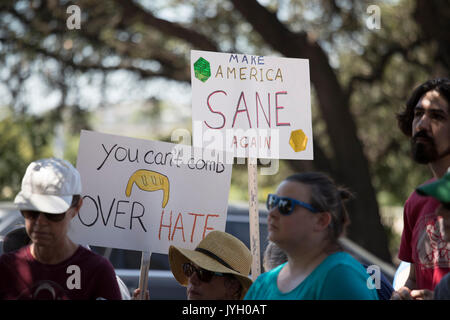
406,117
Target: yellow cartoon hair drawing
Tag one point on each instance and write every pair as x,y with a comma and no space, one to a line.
149,181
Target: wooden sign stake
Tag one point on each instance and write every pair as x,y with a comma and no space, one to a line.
254,217
143,278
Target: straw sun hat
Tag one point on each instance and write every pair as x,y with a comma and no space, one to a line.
218,252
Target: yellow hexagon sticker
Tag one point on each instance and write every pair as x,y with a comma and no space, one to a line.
298,140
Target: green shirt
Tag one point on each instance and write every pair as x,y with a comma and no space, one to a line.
338,277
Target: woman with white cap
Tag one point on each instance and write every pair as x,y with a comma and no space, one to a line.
306,218
52,266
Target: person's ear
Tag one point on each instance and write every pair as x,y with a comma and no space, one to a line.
234,288
323,220
79,204
77,207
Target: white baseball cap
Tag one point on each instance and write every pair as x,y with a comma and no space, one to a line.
48,186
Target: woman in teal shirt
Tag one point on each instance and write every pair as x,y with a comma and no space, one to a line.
306,217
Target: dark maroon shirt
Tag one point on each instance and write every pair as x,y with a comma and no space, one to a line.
84,276
423,241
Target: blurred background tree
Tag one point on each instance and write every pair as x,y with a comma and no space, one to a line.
52,79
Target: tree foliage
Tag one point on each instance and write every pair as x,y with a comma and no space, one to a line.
360,77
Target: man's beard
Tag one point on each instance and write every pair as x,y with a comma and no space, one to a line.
424,152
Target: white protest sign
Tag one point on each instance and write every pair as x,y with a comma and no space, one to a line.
147,195
253,106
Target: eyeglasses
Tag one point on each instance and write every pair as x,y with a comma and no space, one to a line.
202,274
33,215
286,205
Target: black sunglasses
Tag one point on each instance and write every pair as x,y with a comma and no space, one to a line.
202,274
33,215
286,205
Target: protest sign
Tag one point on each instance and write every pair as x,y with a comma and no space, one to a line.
253,106
147,195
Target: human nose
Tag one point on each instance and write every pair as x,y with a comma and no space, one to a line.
194,278
41,219
423,123
273,213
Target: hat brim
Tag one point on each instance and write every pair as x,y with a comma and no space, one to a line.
439,189
44,203
178,256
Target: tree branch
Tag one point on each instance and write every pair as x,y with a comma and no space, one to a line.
94,66
169,61
135,13
341,128
270,28
378,70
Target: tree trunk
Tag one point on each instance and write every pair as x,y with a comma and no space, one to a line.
352,168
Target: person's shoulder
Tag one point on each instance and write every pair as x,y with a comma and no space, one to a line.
19,254
342,260
415,197
275,271
340,257
346,278
442,290
263,284
416,204
271,274
446,279
91,257
96,265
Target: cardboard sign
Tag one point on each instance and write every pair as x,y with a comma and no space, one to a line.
252,106
146,195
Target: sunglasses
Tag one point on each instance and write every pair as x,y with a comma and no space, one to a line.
33,215
202,274
286,205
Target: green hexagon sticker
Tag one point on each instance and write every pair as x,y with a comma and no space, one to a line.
202,69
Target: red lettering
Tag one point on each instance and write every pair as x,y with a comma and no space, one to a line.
268,108
195,221
241,97
206,224
277,107
234,142
219,113
161,225
254,143
245,144
268,140
179,218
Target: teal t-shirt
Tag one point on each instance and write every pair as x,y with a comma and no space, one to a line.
338,277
